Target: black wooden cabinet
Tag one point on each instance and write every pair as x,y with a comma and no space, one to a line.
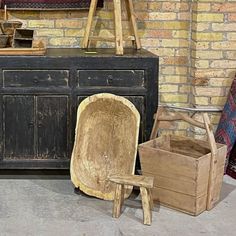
39,96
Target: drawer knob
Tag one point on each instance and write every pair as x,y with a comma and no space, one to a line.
109,81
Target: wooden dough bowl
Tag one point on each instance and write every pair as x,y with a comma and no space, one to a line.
105,144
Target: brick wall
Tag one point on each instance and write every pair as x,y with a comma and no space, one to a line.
195,40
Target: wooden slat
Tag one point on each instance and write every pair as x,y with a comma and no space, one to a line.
118,27
178,164
182,184
156,123
22,51
134,24
179,116
180,201
212,174
133,180
92,9
110,39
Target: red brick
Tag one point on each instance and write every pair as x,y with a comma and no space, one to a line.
181,60
224,7
232,17
168,6
165,34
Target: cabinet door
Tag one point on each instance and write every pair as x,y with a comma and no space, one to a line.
52,127
18,128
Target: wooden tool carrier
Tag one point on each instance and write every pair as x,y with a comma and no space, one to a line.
187,172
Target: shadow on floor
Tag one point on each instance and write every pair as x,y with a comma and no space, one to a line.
226,190
34,174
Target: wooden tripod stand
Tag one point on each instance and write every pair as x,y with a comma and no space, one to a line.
118,39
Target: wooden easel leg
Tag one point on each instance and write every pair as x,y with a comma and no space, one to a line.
118,200
134,23
118,27
92,10
147,214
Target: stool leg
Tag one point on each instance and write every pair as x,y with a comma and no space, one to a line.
118,200
147,214
92,9
150,198
118,27
134,23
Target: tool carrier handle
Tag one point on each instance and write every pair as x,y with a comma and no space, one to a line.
205,125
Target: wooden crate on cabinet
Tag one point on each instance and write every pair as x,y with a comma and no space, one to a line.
187,172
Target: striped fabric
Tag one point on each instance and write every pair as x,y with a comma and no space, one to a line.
226,130
47,4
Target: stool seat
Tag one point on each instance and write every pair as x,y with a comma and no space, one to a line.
133,180
145,183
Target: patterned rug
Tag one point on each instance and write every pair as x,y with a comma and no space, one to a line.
226,131
47,4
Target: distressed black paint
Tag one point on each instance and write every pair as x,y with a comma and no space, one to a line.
52,118
35,78
39,96
19,127
112,78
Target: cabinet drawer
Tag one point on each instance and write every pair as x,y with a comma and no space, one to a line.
35,78
112,78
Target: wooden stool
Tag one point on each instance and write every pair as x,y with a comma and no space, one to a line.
118,39
145,183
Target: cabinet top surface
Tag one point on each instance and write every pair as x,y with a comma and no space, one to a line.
88,53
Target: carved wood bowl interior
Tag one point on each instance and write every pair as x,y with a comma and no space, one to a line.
105,143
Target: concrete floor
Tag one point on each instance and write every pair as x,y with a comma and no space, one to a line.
30,205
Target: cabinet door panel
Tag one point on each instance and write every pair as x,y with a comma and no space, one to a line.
52,127
18,127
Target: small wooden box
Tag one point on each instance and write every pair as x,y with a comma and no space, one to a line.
23,38
181,168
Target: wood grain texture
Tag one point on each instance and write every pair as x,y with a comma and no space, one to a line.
105,143
92,10
181,167
179,201
133,180
19,127
23,51
52,127
147,213
118,27
118,200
